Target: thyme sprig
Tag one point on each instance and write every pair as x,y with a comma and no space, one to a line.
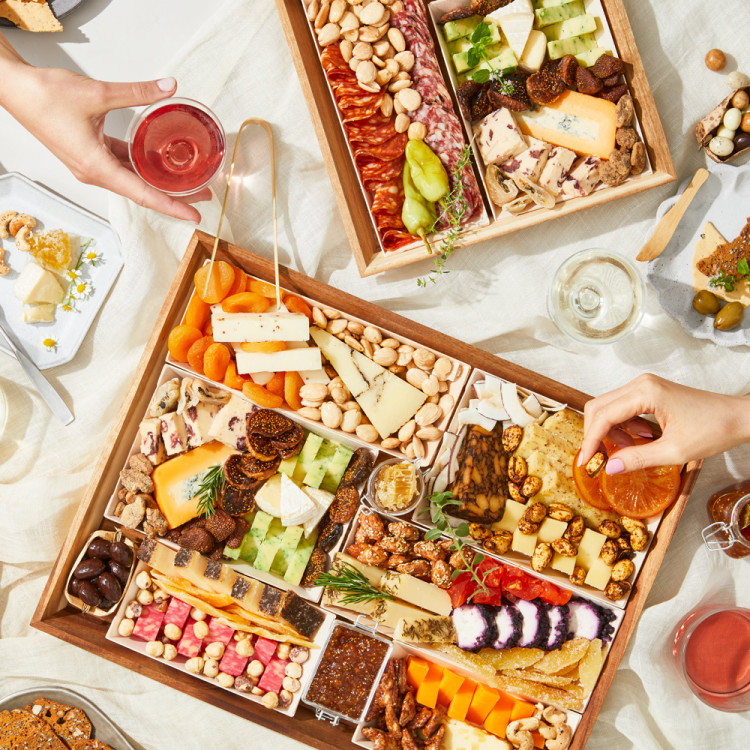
454,209
352,583
440,504
210,487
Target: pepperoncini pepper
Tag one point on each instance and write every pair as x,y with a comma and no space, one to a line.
418,214
427,171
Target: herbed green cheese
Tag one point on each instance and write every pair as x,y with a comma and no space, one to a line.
289,541
307,455
267,553
572,27
299,559
588,58
573,46
557,13
319,466
463,27
336,469
255,536
550,3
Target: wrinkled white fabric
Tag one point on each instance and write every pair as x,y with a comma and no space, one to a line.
239,64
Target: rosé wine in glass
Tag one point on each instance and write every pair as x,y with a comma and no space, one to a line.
177,145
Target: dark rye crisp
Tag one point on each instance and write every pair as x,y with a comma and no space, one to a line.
304,617
347,672
146,550
270,600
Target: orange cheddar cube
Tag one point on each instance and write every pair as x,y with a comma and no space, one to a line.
427,691
498,719
482,703
416,671
459,706
449,686
521,710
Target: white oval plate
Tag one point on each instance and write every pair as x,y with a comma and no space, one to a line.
724,200
53,212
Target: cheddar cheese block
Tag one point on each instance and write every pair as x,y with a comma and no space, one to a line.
581,123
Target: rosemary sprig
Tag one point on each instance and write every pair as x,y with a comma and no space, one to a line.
352,583
440,503
210,488
454,208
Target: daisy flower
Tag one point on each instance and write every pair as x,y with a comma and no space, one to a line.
67,307
73,274
91,257
49,344
83,289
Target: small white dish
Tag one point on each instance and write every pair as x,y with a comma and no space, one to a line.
52,212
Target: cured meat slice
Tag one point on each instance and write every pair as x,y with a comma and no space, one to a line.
387,198
232,663
387,151
273,677
189,645
148,625
218,631
394,239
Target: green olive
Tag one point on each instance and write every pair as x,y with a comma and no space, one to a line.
729,316
706,303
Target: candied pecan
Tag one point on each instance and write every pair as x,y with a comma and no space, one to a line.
408,709
546,85
438,714
435,742
391,720
395,545
329,532
456,15
587,82
466,93
637,157
611,81
399,675
481,105
416,568
407,740
624,111
395,560
616,169
429,550
422,717
403,530
607,66
370,529
510,91
614,93
566,68
440,574
626,138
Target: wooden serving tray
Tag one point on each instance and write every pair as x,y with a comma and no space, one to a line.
345,180
54,616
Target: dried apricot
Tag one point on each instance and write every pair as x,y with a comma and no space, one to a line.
264,288
181,338
298,305
245,302
239,283
232,379
292,383
198,313
197,351
276,384
222,278
215,362
263,347
209,329
259,395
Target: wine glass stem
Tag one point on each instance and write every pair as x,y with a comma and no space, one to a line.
588,300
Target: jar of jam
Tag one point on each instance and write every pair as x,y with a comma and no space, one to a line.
729,509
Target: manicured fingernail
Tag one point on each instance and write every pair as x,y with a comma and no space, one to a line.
166,84
645,434
580,459
614,466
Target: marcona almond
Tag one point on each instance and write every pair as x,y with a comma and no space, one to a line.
397,369
356,328
390,443
366,72
373,88
379,62
322,18
349,21
336,326
339,395
409,98
442,368
415,377
333,382
353,343
397,6
351,420
407,431
386,106
402,121
398,108
405,60
313,391
310,412
367,348
351,35
369,34
362,51
308,402
319,318
330,415
433,399
400,84
405,353
312,10
357,10
424,358
396,38
372,334
429,433
390,343
349,405
392,67
373,14
367,433
443,386
418,447
381,48
403,76
385,357
409,451
417,131
428,414
346,52
354,64
430,385
329,34
336,13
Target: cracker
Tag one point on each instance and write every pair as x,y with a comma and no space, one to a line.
36,16
24,731
84,743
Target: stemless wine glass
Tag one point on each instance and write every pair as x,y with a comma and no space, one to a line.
712,652
596,297
177,145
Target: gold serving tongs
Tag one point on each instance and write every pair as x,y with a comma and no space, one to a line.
267,127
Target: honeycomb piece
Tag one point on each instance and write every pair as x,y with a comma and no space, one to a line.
52,249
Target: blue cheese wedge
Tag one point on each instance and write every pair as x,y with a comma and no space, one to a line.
244,327
387,400
559,162
499,137
530,162
583,178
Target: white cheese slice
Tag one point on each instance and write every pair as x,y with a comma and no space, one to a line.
535,51
198,420
39,312
174,433
387,400
511,516
231,327
287,360
262,378
589,548
599,574
499,137
296,506
525,544
583,178
309,376
152,446
37,284
516,20
268,497
228,425
322,500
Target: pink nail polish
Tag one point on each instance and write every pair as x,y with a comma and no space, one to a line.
646,434
166,84
580,460
614,466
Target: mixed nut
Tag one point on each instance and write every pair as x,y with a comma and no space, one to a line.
135,500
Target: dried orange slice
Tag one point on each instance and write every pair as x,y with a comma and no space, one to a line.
589,488
642,493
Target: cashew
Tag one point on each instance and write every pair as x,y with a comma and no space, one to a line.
21,220
562,741
22,239
5,217
554,715
519,732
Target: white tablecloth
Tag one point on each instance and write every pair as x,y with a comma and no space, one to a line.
237,61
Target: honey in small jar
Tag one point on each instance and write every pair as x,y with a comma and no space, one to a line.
729,511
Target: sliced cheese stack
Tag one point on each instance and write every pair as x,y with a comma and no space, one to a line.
516,20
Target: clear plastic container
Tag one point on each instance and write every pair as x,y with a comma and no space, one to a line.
372,491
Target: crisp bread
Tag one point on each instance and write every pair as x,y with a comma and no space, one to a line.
82,743
68,722
21,730
30,16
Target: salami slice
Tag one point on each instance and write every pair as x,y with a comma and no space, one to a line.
387,198
387,151
394,239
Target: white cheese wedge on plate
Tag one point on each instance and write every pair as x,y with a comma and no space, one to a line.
39,312
242,327
287,360
387,400
516,20
37,284
322,500
296,506
268,497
